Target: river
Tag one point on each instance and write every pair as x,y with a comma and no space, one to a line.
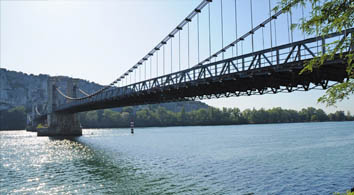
297,158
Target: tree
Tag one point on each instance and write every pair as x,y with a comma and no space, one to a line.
181,116
349,117
91,119
14,118
236,116
144,118
326,17
340,116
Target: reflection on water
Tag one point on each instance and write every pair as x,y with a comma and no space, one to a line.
56,165
312,158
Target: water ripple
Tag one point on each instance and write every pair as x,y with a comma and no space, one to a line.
259,159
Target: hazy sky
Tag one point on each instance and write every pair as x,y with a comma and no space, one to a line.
99,40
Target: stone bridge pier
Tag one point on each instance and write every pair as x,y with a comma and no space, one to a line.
60,123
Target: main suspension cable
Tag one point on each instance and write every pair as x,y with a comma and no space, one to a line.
83,92
242,38
171,34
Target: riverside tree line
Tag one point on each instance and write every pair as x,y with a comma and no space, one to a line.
155,115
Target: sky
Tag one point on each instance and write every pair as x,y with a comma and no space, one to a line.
100,40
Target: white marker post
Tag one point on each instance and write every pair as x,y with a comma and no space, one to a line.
132,127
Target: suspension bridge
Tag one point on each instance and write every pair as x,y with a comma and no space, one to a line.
242,67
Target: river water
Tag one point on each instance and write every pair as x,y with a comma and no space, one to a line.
298,158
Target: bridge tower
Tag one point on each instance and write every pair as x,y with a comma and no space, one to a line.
59,123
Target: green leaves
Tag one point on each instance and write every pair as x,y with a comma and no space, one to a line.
337,93
327,17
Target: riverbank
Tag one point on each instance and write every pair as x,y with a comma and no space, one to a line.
127,126
161,117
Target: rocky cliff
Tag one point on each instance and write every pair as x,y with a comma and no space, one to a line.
21,89
17,88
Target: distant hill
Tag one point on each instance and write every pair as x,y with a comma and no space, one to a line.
21,89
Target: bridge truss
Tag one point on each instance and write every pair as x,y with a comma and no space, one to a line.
227,70
267,71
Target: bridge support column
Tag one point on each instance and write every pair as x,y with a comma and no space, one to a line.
60,124
31,124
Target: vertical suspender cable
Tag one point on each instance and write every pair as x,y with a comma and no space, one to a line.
270,24
198,36
171,57
222,29
270,30
263,36
150,67
291,26
317,34
179,50
236,27
135,75
157,63
275,33
232,51
252,25
287,20
303,18
145,70
209,30
140,73
163,59
189,64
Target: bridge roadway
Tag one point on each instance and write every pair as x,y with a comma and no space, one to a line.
266,71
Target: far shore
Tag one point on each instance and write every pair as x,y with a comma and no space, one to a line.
128,127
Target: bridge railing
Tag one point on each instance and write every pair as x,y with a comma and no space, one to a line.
242,65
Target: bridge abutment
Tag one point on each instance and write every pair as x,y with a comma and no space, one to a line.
60,124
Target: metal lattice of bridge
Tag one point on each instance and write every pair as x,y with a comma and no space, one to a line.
188,66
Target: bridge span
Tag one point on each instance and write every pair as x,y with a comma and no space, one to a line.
256,73
273,70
